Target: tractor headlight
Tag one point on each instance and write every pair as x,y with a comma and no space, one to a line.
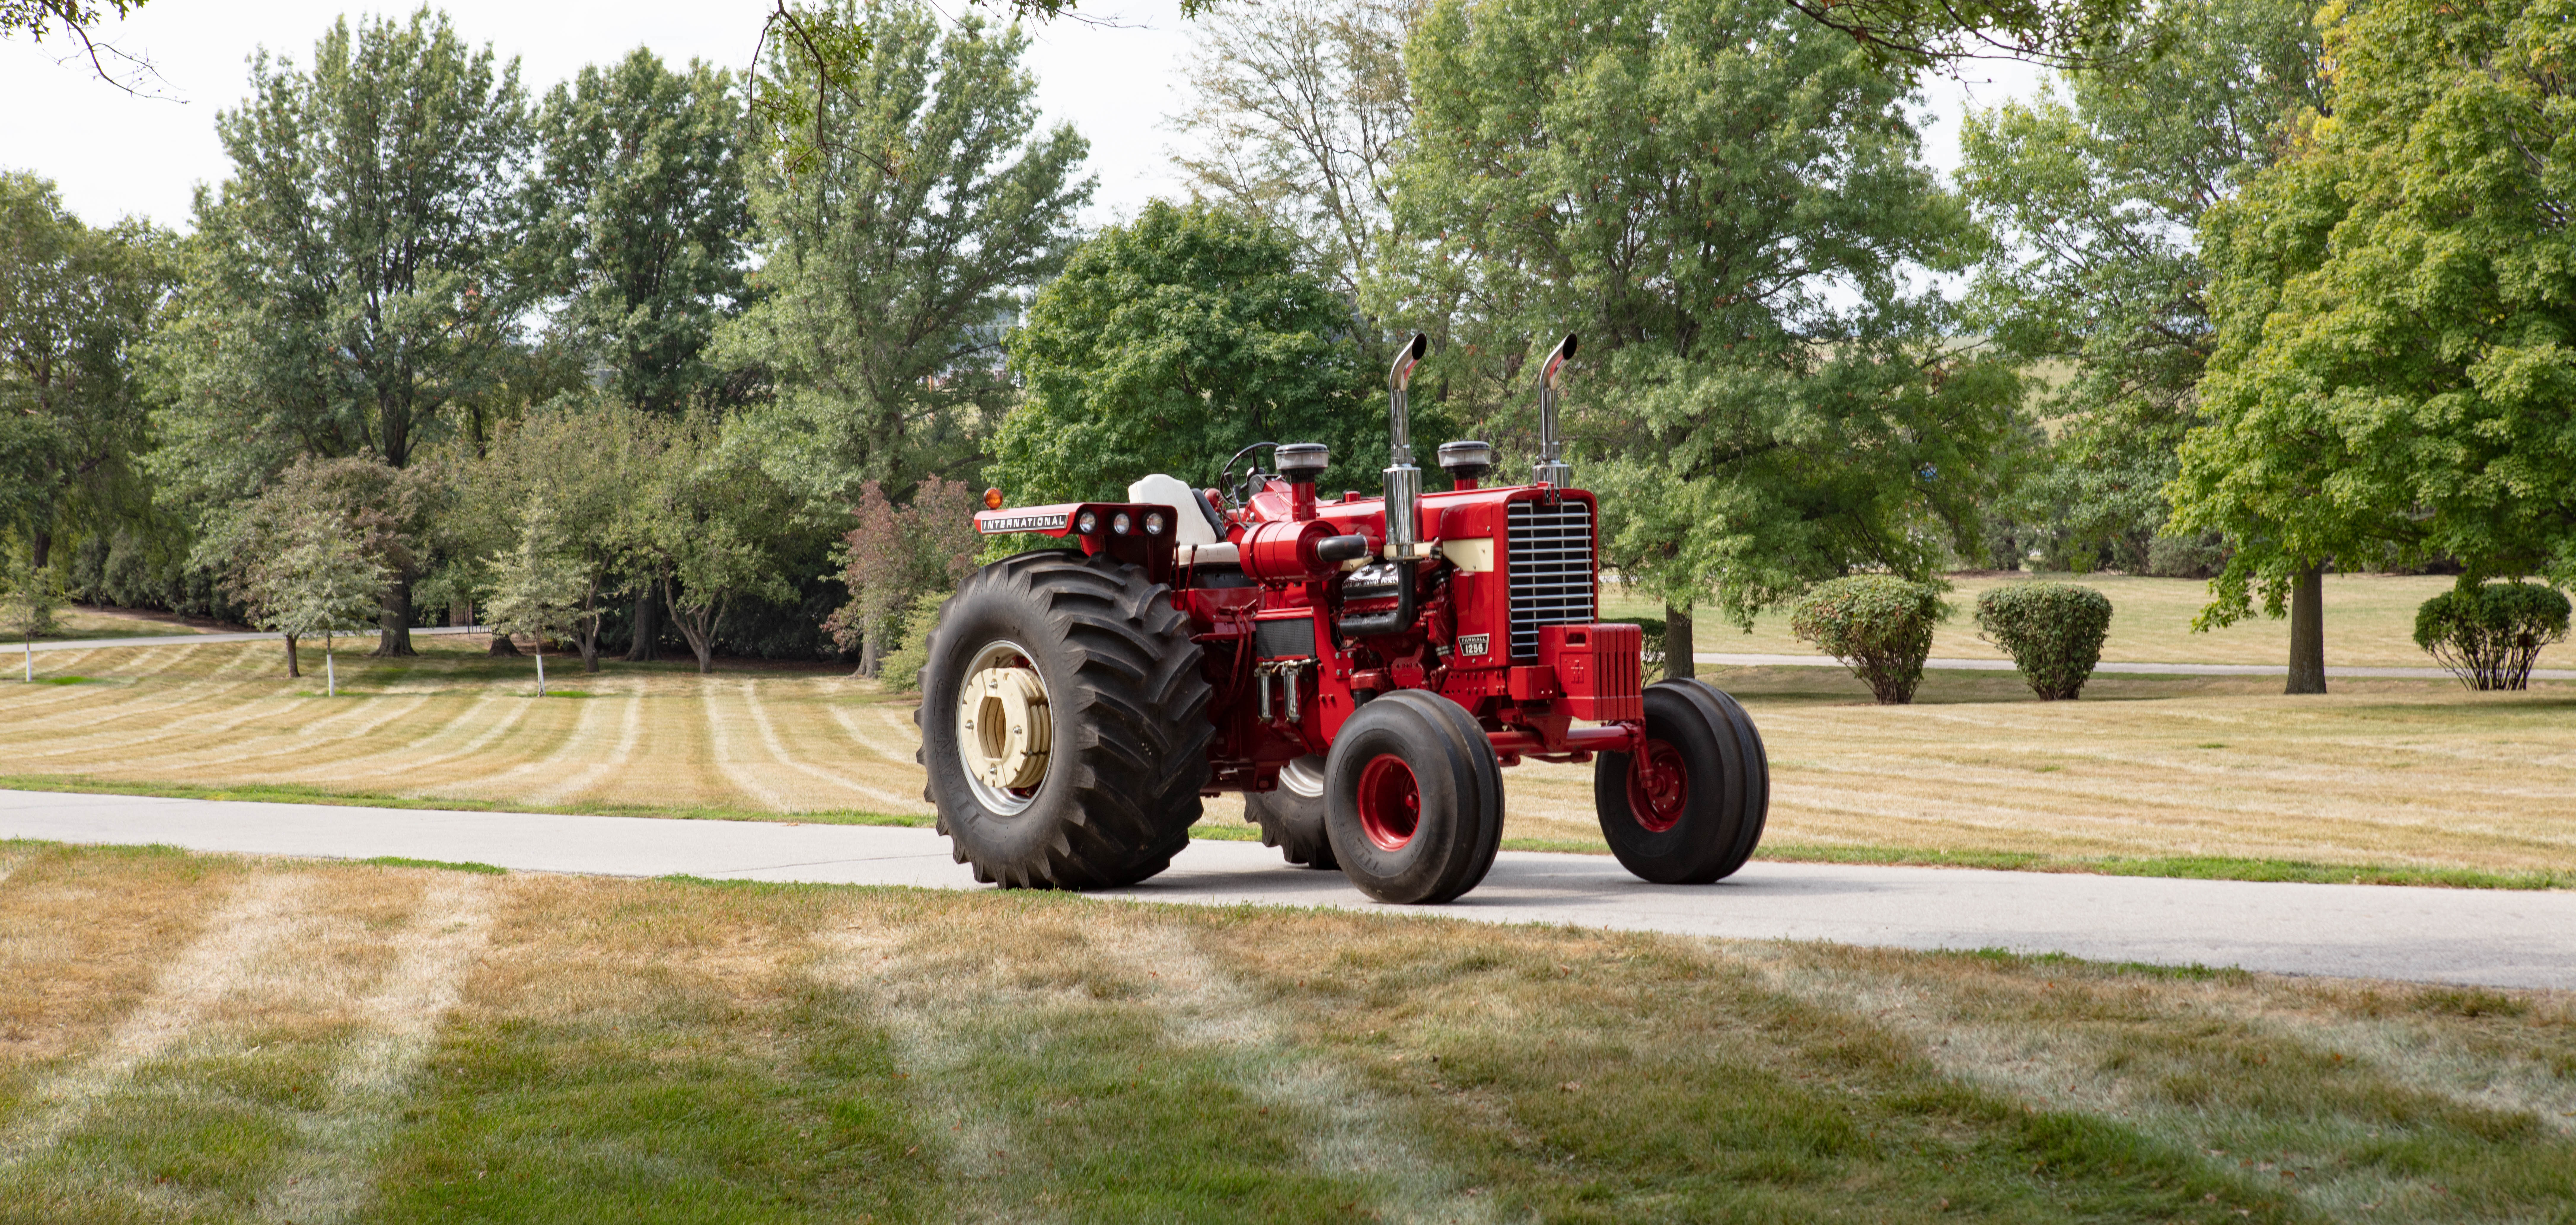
1154,523
1121,524
1088,523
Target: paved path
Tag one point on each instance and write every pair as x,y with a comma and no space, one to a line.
2494,938
2135,669
181,640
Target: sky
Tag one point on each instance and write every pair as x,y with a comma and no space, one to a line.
1117,80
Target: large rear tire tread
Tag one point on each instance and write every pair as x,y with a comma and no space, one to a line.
1729,789
1293,823
1128,704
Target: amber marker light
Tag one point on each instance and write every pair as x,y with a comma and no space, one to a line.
992,499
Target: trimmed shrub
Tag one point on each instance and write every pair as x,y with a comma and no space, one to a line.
1653,655
1879,625
2488,635
902,666
2053,630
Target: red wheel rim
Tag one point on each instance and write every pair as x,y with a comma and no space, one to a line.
1658,786
1390,803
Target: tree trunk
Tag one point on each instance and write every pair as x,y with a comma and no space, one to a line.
648,626
501,645
589,638
291,668
1677,642
2308,632
393,628
43,546
698,625
871,655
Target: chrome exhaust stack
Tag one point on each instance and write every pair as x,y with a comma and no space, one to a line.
1551,469
1403,481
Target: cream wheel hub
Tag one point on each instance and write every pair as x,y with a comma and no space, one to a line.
1003,729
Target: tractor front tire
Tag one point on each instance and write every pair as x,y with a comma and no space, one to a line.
1413,799
1064,723
1292,817
1690,808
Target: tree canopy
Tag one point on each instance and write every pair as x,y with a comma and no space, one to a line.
2095,199
893,254
76,304
641,222
1725,201
2395,357
1174,340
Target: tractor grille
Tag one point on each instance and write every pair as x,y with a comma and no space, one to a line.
1551,570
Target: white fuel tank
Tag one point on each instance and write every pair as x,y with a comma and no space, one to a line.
1193,527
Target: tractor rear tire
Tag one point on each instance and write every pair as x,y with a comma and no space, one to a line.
1292,817
1100,787
1413,799
1692,811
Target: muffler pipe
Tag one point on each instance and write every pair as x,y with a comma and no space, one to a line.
1551,469
1403,481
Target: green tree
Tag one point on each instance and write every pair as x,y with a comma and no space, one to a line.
898,555
350,290
643,218
75,303
29,595
1684,184
2095,199
644,221
1301,112
892,254
537,585
1172,341
388,514
2394,364
322,583
705,529
592,466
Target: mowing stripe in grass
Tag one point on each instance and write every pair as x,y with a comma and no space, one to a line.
929,1012
2190,1062
720,751
328,1179
390,761
900,752
630,730
1353,1136
778,753
263,913
298,793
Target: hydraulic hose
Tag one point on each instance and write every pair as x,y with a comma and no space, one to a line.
1394,620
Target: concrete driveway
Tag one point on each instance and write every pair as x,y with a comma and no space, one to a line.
2486,937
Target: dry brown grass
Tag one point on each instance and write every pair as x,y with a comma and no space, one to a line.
454,724
2399,773
415,1045
2387,772
2370,622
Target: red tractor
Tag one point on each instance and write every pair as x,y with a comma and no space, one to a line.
1361,669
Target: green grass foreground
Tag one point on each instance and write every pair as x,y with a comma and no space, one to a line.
2193,867
644,1051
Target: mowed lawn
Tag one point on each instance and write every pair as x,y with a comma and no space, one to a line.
2417,775
2369,620
207,1039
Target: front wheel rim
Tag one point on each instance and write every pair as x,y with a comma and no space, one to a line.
1658,786
1005,728
1390,802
